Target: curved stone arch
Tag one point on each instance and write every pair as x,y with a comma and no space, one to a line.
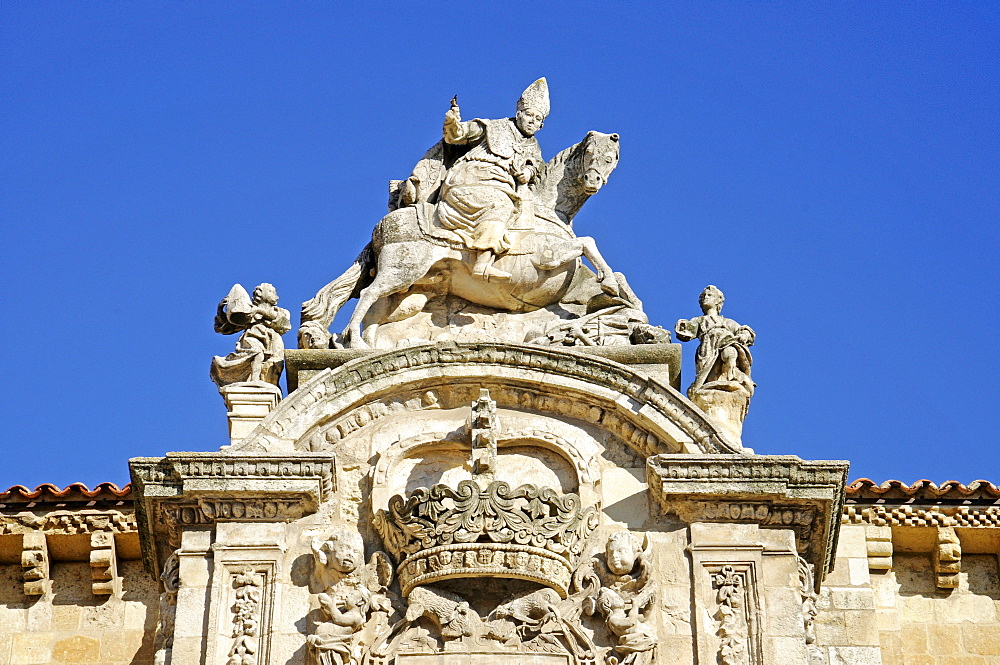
646,414
587,471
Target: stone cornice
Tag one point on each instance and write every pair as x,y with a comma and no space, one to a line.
779,491
193,489
647,397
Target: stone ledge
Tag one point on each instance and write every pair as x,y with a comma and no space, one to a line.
774,491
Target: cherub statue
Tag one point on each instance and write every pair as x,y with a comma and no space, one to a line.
354,598
619,589
260,353
723,359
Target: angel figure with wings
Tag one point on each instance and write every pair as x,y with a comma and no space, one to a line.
620,590
354,601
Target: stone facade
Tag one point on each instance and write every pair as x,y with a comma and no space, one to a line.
914,580
493,465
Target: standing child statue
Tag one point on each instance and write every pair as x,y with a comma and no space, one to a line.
722,386
260,353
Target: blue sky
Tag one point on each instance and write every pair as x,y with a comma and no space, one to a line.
833,167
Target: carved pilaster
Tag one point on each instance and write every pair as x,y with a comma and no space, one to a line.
248,593
738,638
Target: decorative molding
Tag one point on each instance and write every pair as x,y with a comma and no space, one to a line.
210,511
986,517
65,522
493,360
773,491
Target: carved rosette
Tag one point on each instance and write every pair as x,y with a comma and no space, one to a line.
530,533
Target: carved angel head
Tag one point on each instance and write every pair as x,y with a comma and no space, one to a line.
343,551
622,551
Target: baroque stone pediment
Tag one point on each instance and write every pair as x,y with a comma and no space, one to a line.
643,410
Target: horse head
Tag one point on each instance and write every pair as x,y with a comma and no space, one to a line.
600,157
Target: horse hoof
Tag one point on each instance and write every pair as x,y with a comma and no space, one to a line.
610,286
352,340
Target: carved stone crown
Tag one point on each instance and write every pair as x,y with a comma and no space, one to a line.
529,533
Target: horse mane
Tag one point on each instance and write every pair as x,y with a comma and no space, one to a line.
554,173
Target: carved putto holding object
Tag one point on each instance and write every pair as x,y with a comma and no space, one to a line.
620,590
354,599
260,353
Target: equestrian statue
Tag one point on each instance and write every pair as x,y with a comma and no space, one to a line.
484,219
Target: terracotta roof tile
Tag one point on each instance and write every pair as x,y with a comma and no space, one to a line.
49,493
865,489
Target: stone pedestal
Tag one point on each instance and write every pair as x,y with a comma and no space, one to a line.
727,409
248,404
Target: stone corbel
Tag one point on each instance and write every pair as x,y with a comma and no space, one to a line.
35,561
947,558
879,542
104,564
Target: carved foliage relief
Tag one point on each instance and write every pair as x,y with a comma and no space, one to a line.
735,614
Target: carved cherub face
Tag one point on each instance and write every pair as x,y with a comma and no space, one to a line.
621,553
265,294
529,121
343,551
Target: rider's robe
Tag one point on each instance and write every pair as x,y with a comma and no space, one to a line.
480,196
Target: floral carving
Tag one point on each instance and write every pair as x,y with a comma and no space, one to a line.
733,631
246,618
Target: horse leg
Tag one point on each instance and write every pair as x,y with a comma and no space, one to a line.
605,275
399,266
